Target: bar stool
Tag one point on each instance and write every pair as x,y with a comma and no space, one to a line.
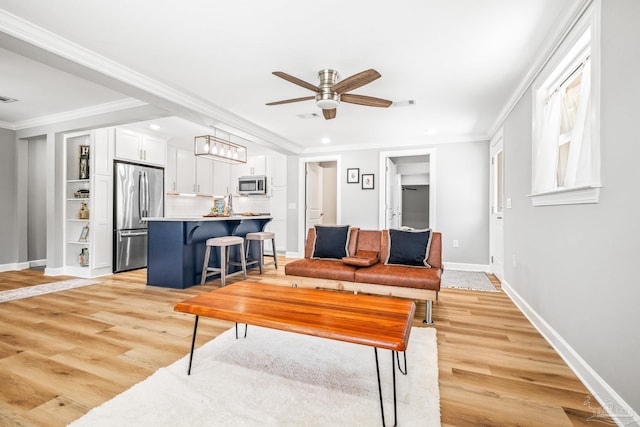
224,243
260,237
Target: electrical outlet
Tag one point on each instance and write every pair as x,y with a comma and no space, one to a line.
456,244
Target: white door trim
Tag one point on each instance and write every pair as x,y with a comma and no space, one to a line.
431,152
495,146
302,161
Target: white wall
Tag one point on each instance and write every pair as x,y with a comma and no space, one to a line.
575,265
462,198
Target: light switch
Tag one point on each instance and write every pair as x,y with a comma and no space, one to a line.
508,202
292,205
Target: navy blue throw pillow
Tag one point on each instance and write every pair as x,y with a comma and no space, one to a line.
409,247
331,242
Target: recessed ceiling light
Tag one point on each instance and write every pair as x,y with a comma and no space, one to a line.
154,127
431,131
325,140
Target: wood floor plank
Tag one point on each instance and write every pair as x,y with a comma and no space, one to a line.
64,353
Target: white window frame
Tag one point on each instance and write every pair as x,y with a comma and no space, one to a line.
581,41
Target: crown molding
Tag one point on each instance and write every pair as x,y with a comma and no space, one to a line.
107,107
7,125
431,141
32,34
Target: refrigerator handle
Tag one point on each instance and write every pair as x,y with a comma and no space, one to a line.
140,200
146,194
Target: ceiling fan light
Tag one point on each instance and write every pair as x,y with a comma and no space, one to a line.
327,104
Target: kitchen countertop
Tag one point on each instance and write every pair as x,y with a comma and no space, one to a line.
207,218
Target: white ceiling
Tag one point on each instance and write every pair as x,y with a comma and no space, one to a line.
461,61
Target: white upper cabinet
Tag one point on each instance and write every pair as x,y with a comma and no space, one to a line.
140,148
204,176
170,178
185,172
221,179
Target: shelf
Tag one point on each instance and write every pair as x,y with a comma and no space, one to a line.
87,243
74,181
77,220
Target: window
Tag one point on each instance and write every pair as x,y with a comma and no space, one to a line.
566,155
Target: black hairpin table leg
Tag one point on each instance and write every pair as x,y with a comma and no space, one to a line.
193,343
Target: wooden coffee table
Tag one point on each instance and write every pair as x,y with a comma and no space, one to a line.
375,321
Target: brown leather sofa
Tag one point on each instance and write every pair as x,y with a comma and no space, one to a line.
365,271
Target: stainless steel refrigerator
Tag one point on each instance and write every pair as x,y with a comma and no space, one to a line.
138,192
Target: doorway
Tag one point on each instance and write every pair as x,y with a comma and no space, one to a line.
318,195
408,186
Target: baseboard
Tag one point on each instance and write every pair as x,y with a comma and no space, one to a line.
58,271
459,266
37,263
14,266
293,255
608,399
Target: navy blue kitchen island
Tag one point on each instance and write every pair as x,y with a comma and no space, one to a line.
176,246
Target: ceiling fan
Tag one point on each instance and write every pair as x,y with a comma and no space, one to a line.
330,91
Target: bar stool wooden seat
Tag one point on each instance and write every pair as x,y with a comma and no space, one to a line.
260,237
224,243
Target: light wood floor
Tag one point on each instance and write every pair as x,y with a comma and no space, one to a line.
62,354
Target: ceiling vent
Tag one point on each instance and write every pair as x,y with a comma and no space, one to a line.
309,116
407,103
6,99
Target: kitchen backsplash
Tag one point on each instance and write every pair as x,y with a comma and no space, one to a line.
185,206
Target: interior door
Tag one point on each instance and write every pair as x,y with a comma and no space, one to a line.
390,194
314,195
497,207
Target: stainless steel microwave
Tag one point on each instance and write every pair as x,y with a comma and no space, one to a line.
252,185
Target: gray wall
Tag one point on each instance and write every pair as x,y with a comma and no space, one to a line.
415,206
575,264
8,235
462,198
36,199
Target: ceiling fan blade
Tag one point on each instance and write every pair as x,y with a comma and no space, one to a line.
329,113
369,101
295,80
355,81
287,101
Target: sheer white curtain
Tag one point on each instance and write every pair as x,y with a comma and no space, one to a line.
579,171
545,148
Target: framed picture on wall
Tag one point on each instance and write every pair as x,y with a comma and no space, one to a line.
367,181
353,176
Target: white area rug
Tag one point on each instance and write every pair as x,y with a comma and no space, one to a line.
47,288
275,378
472,280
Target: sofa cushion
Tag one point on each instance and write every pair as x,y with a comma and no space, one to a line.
394,275
409,247
321,269
331,242
362,259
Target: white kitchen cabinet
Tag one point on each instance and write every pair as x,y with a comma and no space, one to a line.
140,148
222,179
185,172
204,176
170,176
193,175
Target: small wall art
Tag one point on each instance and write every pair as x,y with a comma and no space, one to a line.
353,176
367,181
